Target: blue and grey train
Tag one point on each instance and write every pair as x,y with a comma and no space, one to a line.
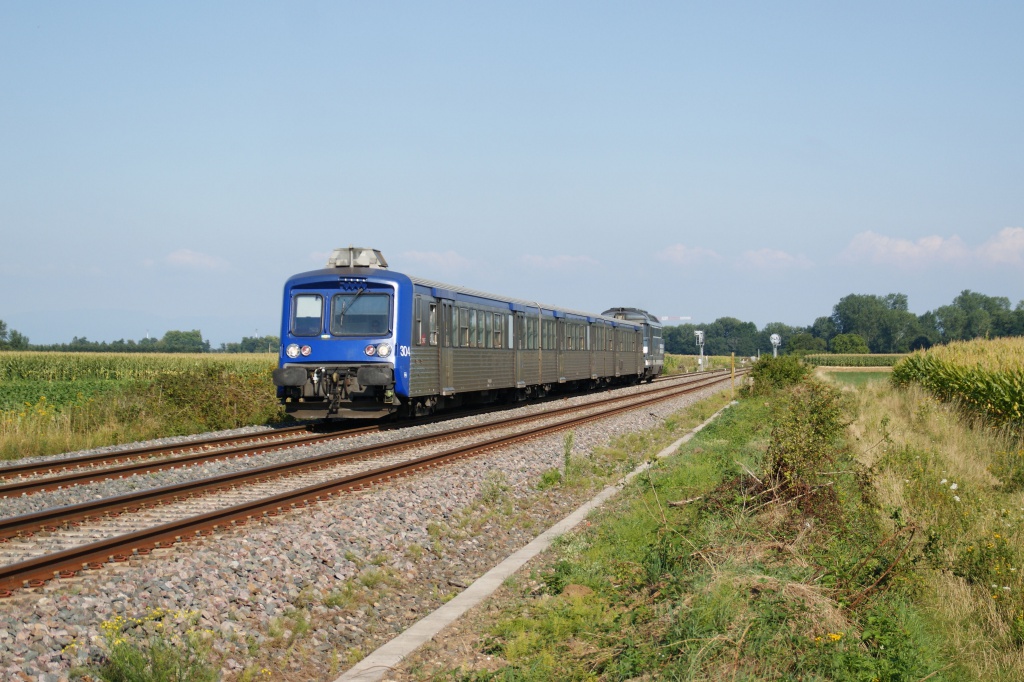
358,340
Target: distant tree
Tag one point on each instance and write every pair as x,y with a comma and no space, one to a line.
1017,320
12,339
824,328
921,343
896,302
679,340
804,343
730,335
849,344
184,342
252,344
927,327
17,341
884,323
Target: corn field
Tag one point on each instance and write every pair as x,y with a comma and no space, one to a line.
57,402
853,360
37,366
985,376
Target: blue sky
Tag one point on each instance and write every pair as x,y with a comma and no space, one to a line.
169,165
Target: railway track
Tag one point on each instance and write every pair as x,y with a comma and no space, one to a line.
33,477
61,541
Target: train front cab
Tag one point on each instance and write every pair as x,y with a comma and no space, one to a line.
342,351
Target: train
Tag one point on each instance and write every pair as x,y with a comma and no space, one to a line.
359,340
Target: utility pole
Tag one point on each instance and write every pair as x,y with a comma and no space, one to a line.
700,344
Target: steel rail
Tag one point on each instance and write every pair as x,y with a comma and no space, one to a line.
65,564
128,454
139,463
150,466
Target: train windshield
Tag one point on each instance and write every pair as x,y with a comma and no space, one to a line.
360,314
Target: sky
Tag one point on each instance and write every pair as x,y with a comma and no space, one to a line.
169,165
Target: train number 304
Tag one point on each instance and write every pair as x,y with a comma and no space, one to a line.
404,351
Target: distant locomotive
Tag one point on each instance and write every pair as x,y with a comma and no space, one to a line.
358,340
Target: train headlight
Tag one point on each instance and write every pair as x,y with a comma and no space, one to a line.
292,350
383,350
305,350
370,350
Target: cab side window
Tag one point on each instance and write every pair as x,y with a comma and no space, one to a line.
307,315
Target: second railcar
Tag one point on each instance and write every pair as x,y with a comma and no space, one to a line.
653,343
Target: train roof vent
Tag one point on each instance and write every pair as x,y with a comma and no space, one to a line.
356,257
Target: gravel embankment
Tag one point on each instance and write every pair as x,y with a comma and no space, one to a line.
387,556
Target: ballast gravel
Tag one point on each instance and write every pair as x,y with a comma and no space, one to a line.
305,595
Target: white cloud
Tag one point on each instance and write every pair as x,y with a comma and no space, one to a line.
558,262
772,259
1007,247
681,254
437,260
879,249
186,258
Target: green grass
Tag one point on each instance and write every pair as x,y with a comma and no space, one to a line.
857,379
760,552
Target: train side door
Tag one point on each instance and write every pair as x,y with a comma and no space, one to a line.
449,336
519,344
562,347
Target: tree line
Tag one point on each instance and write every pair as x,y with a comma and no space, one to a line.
173,341
860,323
13,339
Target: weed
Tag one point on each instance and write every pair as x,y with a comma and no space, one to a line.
567,442
414,552
802,453
344,597
307,596
549,479
494,488
372,577
161,645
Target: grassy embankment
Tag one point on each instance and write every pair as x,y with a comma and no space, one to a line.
809,533
58,402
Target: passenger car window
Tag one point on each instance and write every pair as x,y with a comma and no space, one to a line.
432,317
308,313
463,328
